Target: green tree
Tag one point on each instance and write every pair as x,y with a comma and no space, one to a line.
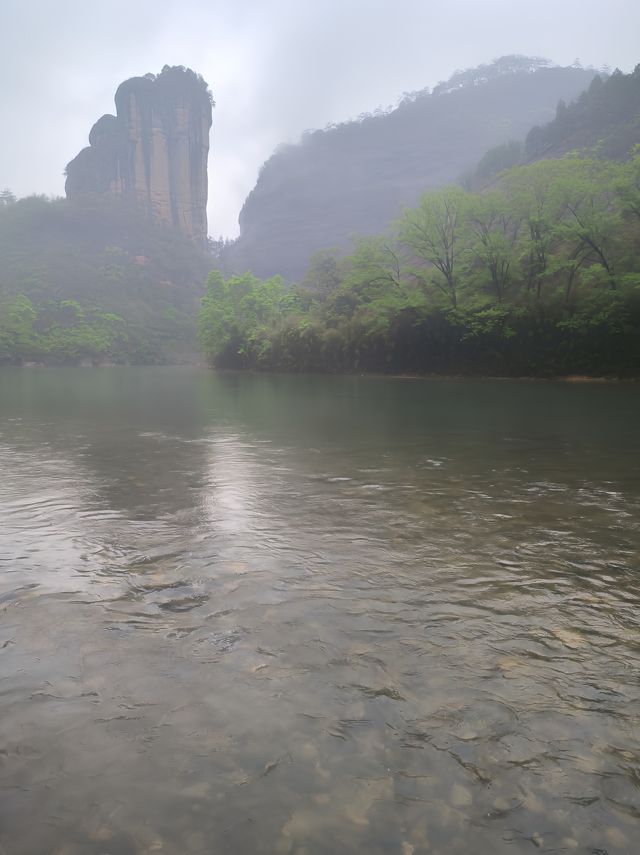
373,270
538,203
239,313
433,233
628,184
18,338
6,198
323,273
493,242
591,218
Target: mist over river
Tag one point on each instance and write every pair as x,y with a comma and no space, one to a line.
317,615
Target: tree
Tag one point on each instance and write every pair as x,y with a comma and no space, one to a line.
18,339
372,270
494,229
238,314
323,274
628,184
6,197
535,202
433,233
591,221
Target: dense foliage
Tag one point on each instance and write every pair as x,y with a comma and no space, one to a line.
537,276
59,332
70,268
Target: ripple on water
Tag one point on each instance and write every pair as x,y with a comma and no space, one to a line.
220,634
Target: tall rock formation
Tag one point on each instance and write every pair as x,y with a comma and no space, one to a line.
154,151
355,178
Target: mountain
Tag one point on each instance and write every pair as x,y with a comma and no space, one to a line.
154,151
356,177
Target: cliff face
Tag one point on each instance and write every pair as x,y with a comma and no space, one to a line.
355,178
154,151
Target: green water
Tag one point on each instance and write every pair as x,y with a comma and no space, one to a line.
263,614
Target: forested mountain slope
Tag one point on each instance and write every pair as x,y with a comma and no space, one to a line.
604,119
356,177
92,279
603,122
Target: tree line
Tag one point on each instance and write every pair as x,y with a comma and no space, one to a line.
538,275
58,331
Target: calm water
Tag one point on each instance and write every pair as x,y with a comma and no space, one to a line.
312,615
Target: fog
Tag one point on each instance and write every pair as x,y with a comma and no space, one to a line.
276,68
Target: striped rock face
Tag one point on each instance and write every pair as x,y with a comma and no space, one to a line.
154,151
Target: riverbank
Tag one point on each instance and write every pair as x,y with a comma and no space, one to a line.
560,378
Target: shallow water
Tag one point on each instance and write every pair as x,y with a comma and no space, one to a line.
244,614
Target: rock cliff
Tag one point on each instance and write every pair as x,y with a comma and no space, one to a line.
356,177
154,151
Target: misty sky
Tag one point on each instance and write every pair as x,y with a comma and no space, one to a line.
276,67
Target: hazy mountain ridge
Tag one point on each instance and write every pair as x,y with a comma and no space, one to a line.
355,178
604,119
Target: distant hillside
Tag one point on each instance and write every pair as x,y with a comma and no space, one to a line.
356,177
98,281
605,119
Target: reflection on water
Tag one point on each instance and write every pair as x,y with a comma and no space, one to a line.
317,615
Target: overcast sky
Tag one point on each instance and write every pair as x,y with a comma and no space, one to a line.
276,67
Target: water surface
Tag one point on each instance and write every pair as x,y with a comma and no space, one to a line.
246,614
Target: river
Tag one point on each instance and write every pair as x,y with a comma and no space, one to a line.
308,615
